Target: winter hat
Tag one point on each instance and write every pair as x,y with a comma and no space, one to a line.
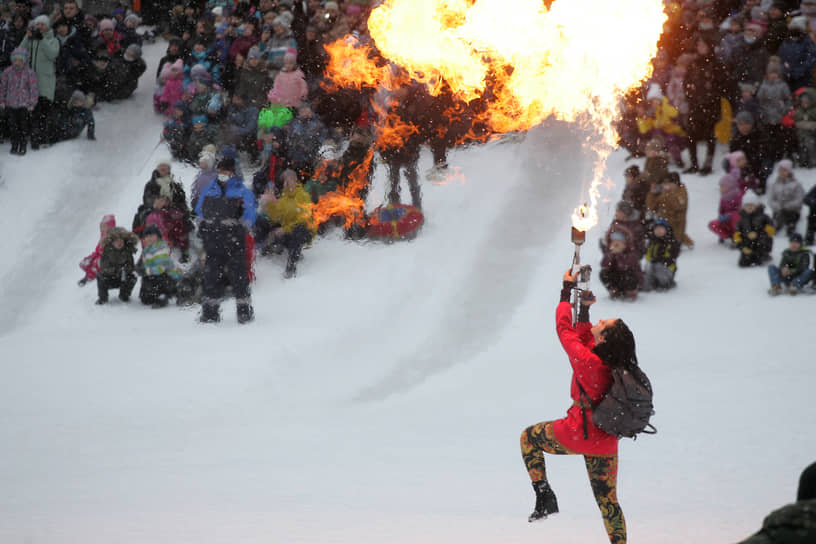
655,92
254,53
799,23
795,237
164,161
332,6
227,164
747,86
109,220
751,198
731,160
200,73
632,171
745,117
151,229
807,484
756,25
77,96
200,118
221,29
617,236
282,21
208,158
177,66
42,20
91,19
118,11
625,207
135,50
773,68
19,52
106,24
134,19
181,105
218,11
660,222
290,55
786,164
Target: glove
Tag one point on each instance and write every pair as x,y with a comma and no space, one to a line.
747,250
82,282
752,235
723,218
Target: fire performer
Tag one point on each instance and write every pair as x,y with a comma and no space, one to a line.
406,106
593,350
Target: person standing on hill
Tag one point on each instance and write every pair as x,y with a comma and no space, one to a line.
43,50
593,350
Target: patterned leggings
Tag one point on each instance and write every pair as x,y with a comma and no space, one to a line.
602,470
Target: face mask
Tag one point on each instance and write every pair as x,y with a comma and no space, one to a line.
223,177
749,39
706,26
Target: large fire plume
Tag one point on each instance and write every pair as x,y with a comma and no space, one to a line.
523,62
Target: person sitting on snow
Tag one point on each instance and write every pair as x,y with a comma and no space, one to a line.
293,212
794,268
755,231
159,271
116,265
733,185
620,266
661,257
73,119
786,197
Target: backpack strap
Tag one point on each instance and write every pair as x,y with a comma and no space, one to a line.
583,406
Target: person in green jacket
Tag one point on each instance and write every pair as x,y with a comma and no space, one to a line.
794,523
43,50
793,270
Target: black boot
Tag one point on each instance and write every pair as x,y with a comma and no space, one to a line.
545,501
291,264
21,149
14,147
209,313
245,312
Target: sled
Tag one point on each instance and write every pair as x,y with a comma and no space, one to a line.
395,222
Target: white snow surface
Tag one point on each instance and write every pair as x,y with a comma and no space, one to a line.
379,396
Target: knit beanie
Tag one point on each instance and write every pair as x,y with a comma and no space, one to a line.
332,6
290,56
254,53
42,20
135,50
282,21
20,52
744,117
751,198
106,24
227,164
134,19
200,118
617,236
200,73
108,220
786,164
807,484
77,96
208,158
151,229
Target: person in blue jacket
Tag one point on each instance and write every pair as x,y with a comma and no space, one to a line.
227,211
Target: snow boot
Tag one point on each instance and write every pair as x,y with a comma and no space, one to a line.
793,290
775,290
21,149
14,147
546,503
209,313
707,166
160,302
245,312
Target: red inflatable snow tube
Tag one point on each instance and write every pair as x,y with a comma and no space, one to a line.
395,222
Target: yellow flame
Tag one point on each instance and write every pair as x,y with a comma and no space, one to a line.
572,62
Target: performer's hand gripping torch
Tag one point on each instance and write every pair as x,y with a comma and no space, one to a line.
583,272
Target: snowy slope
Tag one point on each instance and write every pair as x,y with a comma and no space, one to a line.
379,396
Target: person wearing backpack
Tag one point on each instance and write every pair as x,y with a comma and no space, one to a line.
593,350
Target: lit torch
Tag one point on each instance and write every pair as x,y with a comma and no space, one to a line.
578,238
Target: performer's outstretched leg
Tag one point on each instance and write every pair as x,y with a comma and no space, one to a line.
603,476
536,440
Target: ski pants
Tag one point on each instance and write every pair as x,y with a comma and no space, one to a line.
153,287
230,261
602,471
775,275
41,122
19,124
657,276
619,280
124,282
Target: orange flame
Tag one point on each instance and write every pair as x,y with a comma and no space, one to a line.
345,201
527,63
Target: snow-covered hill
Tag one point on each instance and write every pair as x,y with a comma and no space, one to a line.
379,396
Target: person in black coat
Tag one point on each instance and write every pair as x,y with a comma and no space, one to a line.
116,268
404,155
753,141
755,232
705,84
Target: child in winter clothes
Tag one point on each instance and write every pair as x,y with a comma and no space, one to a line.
241,126
628,217
793,270
620,266
293,212
774,101
200,134
75,118
805,122
206,175
659,121
786,197
732,186
747,100
304,135
90,264
159,272
116,265
172,76
661,257
176,129
290,83
668,198
755,231
19,93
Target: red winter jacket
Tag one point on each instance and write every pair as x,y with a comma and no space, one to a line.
595,377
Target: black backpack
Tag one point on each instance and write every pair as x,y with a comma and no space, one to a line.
626,406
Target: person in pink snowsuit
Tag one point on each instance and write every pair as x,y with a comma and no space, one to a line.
290,83
732,186
90,264
173,77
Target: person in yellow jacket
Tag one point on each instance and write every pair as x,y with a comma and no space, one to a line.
292,211
658,120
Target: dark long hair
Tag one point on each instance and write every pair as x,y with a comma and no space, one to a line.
618,348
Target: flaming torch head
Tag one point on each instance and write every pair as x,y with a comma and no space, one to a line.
580,224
